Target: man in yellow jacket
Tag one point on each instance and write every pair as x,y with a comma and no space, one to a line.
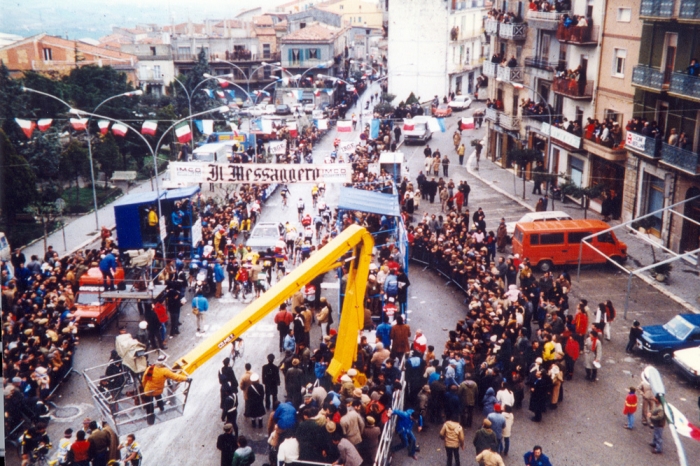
154,383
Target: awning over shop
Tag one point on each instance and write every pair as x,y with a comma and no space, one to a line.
369,201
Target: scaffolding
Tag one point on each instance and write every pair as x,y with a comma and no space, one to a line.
691,256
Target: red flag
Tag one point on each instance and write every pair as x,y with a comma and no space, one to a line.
149,127
78,124
27,126
223,83
119,129
183,133
344,126
44,124
104,126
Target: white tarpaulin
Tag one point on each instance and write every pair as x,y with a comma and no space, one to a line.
278,147
203,172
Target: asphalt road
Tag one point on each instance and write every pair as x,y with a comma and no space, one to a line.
585,430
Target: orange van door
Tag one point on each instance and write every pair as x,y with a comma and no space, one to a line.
575,239
606,243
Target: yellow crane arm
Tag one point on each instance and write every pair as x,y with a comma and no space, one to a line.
354,238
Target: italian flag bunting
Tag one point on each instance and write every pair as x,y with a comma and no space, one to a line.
683,426
44,124
27,126
119,129
149,127
183,132
78,124
104,126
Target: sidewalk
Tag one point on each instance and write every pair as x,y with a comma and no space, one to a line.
683,284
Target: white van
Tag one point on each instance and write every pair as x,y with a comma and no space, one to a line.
5,250
394,164
214,152
416,130
538,217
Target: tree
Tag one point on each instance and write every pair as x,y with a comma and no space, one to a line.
75,163
17,181
106,153
200,101
43,152
45,211
412,99
522,158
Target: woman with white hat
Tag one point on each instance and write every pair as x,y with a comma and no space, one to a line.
255,403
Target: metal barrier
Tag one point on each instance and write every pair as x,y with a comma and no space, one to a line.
384,449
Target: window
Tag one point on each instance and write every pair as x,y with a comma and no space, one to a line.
577,237
314,54
359,19
576,171
341,7
534,240
153,51
618,69
606,238
156,72
266,50
48,54
267,72
184,51
302,25
655,201
552,238
624,15
294,55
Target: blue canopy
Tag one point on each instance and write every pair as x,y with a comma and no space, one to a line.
369,201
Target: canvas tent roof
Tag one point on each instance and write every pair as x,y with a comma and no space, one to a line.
369,201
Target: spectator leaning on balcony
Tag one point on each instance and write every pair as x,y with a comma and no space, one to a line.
694,68
673,137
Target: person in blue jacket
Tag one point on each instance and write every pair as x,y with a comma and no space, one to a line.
384,333
201,305
536,457
108,265
404,427
219,277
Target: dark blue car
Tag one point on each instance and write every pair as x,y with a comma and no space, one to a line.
683,331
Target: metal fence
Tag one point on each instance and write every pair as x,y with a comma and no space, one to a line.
384,450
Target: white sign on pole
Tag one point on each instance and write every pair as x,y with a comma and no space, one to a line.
260,173
197,231
163,229
278,147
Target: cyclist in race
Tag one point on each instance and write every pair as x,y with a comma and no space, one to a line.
34,444
322,189
306,220
318,224
300,208
289,239
326,214
285,194
314,194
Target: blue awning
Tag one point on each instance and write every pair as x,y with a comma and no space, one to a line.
369,201
151,196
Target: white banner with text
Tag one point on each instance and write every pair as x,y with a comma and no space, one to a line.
261,173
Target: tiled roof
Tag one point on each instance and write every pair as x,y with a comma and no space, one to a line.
310,33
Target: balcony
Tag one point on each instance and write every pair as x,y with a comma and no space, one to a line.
465,5
684,85
149,75
657,9
689,11
547,20
571,89
542,64
503,120
491,26
681,159
608,151
490,69
512,31
510,75
575,35
648,77
643,145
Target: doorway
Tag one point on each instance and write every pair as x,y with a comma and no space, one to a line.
661,114
668,61
690,235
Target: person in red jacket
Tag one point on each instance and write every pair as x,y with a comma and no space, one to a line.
630,407
581,323
283,318
572,350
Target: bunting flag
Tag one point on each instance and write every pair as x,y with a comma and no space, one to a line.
466,123
27,126
408,125
317,92
223,83
209,93
79,124
207,126
198,124
292,127
119,129
436,125
220,94
104,126
344,126
234,129
374,129
682,425
44,124
149,127
322,124
231,93
183,132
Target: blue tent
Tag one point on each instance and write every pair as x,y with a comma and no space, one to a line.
369,201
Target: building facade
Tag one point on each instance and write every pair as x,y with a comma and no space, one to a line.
156,69
315,49
667,96
434,47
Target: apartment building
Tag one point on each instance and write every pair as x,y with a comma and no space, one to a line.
667,94
434,47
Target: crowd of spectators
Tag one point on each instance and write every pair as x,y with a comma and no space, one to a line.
557,6
652,129
506,17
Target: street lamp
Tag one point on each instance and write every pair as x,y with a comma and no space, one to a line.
154,152
189,95
87,131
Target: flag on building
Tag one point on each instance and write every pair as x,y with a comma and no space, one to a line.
78,124
207,126
27,126
119,129
149,127
44,124
103,125
682,425
344,126
466,123
183,132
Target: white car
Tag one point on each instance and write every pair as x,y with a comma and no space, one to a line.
538,217
269,109
265,235
460,102
688,362
257,110
308,108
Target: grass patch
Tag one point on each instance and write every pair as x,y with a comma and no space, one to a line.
83,203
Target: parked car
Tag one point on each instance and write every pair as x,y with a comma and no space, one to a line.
269,109
308,108
283,109
538,217
256,111
92,310
442,111
296,108
683,331
460,102
688,362
416,130
265,235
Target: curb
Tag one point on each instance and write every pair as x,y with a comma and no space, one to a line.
649,281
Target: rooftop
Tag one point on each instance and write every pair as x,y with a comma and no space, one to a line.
315,32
